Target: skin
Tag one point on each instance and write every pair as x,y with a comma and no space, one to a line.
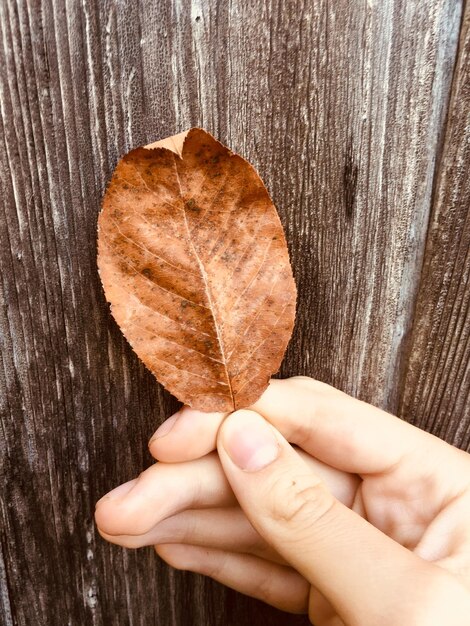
361,519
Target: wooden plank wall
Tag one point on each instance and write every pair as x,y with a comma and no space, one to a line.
436,388
356,114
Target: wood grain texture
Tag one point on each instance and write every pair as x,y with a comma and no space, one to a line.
341,107
436,389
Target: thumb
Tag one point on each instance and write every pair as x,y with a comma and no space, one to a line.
348,560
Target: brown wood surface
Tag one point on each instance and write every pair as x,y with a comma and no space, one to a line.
343,107
436,389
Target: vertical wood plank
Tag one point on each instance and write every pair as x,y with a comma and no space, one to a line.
436,384
339,105
367,149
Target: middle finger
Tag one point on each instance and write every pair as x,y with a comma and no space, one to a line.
163,490
223,529
166,489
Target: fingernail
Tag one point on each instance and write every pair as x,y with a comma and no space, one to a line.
118,492
250,441
165,428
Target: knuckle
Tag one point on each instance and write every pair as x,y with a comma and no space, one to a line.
300,502
311,384
302,430
350,444
303,381
263,589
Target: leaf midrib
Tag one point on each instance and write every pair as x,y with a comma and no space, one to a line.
206,286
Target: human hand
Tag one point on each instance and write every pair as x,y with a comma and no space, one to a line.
312,549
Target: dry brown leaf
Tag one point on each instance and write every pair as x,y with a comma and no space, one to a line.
194,262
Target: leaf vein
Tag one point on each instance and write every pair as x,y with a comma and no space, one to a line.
180,369
152,281
142,247
208,291
255,350
260,308
252,280
180,345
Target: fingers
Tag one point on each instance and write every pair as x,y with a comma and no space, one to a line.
163,490
223,529
275,584
321,612
447,539
344,432
341,431
136,507
348,560
186,435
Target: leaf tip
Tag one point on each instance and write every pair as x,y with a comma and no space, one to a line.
174,143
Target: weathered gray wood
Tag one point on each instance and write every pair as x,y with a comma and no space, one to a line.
437,384
341,106
363,128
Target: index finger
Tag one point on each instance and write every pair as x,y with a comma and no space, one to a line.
347,433
337,429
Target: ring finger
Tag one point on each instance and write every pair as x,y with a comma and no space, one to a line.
275,584
223,529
